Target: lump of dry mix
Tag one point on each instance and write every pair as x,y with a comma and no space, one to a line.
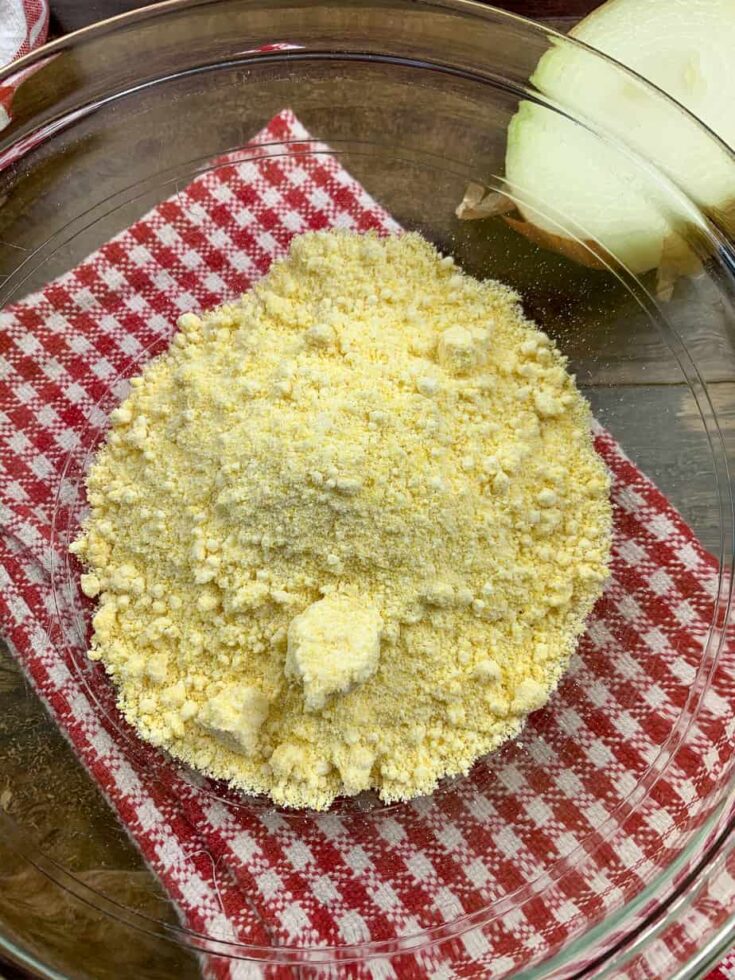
345,532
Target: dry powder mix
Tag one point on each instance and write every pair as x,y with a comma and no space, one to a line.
345,532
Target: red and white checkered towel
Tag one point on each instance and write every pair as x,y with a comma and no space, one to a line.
583,796
23,27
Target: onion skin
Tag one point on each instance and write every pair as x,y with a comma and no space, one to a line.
585,253
677,256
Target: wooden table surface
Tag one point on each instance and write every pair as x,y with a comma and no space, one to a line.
70,15
93,843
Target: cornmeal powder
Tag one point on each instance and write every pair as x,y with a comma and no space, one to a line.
345,532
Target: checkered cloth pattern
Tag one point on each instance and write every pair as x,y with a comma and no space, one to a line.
571,821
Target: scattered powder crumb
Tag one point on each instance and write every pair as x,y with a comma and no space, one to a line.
345,532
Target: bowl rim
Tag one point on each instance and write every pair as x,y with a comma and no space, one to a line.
478,8
667,911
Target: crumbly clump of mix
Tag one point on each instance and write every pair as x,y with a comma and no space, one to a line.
345,532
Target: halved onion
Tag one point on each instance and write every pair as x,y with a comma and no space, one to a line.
683,46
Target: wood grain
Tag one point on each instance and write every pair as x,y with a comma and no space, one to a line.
49,797
70,15
624,363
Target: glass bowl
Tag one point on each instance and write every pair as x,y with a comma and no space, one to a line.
597,843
